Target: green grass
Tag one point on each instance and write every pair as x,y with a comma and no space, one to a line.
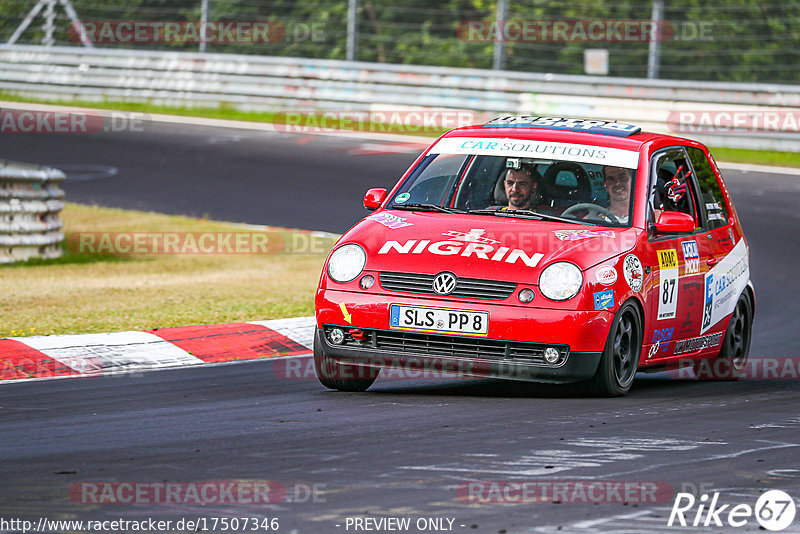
310,119
88,292
228,112
759,157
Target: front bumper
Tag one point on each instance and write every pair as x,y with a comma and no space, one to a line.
434,355
581,330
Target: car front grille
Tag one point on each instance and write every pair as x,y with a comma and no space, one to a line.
441,345
471,288
436,345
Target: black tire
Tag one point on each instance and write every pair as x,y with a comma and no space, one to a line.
341,376
732,359
620,359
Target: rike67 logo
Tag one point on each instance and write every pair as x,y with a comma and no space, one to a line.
774,510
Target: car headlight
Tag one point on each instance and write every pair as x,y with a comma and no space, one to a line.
560,281
346,263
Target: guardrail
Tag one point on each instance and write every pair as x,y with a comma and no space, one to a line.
281,83
30,202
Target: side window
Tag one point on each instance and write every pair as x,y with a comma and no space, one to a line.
670,168
712,202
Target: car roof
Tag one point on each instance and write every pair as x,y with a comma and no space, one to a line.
571,130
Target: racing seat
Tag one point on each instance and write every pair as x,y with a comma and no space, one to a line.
565,184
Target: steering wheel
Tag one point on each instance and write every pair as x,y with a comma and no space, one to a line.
593,210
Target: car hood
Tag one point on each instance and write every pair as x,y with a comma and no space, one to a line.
481,246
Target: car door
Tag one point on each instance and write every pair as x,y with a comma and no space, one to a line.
726,252
675,296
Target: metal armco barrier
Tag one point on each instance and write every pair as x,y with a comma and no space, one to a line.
281,83
30,202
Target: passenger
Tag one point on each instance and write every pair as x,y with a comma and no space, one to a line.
617,182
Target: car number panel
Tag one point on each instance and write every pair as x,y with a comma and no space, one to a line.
444,320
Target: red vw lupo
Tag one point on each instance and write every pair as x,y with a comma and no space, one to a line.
543,249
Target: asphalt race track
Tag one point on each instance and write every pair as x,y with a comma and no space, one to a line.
406,448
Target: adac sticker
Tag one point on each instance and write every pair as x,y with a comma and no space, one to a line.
633,271
668,291
402,198
606,275
604,299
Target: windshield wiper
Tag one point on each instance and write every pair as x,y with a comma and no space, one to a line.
425,207
529,214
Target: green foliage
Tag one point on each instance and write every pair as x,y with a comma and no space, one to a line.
722,40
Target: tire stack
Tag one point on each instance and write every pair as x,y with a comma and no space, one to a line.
30,202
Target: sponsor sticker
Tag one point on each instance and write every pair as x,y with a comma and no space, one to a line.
723,285
668,269
389,220
617,129
606,275
691,257
694,344
575,235
451,247
525,148
473,236
661,336
604,299
633,272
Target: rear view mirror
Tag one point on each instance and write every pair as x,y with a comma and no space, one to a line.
674,222
374,198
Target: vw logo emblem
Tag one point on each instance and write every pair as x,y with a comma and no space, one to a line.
444,283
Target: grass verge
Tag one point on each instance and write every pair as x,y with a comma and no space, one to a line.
102,285
228,112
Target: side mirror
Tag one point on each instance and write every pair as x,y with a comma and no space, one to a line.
674,222
374,198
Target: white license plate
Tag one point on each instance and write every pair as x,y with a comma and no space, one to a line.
439,320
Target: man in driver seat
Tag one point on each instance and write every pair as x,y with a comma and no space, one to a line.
520,187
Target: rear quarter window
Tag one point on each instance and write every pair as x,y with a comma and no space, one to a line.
712,201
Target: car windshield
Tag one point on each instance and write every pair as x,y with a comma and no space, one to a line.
576,183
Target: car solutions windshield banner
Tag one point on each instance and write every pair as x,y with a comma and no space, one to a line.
525,148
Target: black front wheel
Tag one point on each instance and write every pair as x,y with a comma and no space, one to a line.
620,358
341,376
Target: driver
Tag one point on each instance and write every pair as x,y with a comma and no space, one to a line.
617,182
520,186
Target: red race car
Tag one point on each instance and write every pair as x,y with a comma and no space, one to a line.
543,249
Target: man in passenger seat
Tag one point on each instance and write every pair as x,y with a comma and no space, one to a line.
617,182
